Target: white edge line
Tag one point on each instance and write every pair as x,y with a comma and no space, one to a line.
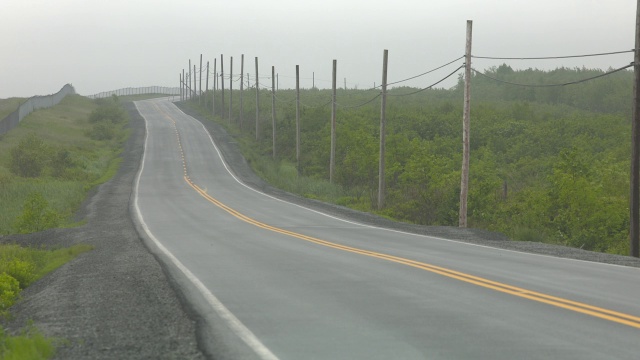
234,323
382,228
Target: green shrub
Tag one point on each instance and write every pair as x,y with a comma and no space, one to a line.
29,158
9,291
36,215
22,270
102,131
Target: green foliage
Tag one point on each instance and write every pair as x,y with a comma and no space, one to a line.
29,345
547,164
36,215
29,157
9,291
107,119
52,153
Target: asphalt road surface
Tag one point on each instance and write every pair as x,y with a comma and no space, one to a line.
277,280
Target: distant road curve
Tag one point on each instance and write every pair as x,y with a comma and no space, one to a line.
275,280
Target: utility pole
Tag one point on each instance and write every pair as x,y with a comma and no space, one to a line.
273,109
257,102
222,83
200,92
230,90
190,95
332,158
241,89
634,208
213,91
195,85
383,122
206,87
180,86
298,118
464,177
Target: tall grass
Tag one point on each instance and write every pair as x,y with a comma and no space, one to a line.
7,106
64,127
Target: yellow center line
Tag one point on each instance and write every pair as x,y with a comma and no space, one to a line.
606,314
595,311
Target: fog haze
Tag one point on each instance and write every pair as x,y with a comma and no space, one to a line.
106,45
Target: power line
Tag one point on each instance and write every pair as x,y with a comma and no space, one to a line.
554,85
430,86
360,105
552,57
425,73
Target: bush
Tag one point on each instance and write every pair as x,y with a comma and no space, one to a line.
29,158
9,291
36,215
102,131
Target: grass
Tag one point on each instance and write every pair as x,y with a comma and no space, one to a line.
7,106
30,344
62,127
27,265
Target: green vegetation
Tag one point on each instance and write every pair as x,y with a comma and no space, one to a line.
547,164
47,166
49,162
19,267
30,344
7,106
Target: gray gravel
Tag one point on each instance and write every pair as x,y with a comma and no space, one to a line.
117,301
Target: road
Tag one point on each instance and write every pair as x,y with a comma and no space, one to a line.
291,283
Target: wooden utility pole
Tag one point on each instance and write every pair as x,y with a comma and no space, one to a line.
241,89
206,87
332,158
231,89
213,90
257,102
383,122
200,91
464,177
180,86
222,84
298,118
634,208
273,109
190,80
195,89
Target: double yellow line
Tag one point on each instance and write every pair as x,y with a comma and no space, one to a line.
610,315
586,309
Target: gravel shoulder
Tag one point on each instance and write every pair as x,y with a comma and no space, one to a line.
118,301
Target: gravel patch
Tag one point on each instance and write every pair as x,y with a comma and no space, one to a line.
231,152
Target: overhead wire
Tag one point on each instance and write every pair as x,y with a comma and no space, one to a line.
553,85
430,86
424,73
552,57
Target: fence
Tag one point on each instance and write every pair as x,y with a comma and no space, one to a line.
138,91
32,104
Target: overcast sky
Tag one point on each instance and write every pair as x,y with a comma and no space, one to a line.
102,45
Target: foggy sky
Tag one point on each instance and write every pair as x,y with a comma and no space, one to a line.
105,45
